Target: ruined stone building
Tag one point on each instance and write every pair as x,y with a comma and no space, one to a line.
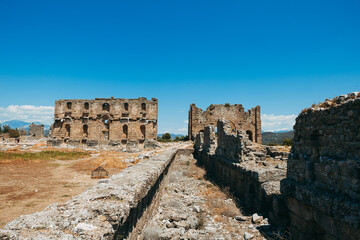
36,131
322,188
239,119
105,120
313,192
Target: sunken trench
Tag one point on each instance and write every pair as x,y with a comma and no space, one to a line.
191,206
165,197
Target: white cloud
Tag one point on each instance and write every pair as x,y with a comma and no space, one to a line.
186,121
28,113
271,122
182,130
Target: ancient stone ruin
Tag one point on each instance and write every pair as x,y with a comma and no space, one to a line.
318,197
104,121
313,192
36,131
322,187
248,121
252,171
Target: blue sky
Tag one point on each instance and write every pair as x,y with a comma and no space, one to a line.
281,55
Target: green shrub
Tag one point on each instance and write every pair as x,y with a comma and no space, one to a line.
14,133
166,136
287,142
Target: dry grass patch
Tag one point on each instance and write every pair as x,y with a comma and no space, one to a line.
18,157
110,160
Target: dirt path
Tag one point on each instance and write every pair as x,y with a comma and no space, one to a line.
30,187
194,208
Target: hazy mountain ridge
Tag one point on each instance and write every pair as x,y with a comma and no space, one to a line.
22,124
276,137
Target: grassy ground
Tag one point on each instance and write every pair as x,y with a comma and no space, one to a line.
45,155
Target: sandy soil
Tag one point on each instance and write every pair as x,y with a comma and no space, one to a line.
28,187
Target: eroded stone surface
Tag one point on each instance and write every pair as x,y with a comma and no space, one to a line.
111,121
238,119
322,188
95,213
192,207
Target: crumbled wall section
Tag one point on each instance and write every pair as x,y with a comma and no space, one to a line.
244,167
105,120
322,187
36,131
249,121
115,208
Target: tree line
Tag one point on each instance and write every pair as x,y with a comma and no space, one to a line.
167,138
13,133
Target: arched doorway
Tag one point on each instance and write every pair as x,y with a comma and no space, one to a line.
85,131
143,131
125,131
67,128
250,135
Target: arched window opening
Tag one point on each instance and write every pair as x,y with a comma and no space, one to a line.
250,135
143,131
67,128
143,106
126,106
69,105
125,131
106,107
85,131
105,120
86,106
315,143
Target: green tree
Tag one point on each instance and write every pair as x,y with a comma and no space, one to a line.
287,142
6,128
166,136
14,133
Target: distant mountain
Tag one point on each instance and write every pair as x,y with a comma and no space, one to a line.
173,136
21,124
16,124
276,137
282,131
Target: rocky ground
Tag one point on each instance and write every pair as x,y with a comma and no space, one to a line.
30,186
192,207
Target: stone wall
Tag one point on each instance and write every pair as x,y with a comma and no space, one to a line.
247,168
36,131
249,121
105,120
322,187
115,208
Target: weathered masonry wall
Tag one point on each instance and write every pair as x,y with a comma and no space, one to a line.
249,121
250,170
105,120
36,131
115,208
322,187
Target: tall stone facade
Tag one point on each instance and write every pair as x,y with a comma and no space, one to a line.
322,187
36,131
105,120
249,121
